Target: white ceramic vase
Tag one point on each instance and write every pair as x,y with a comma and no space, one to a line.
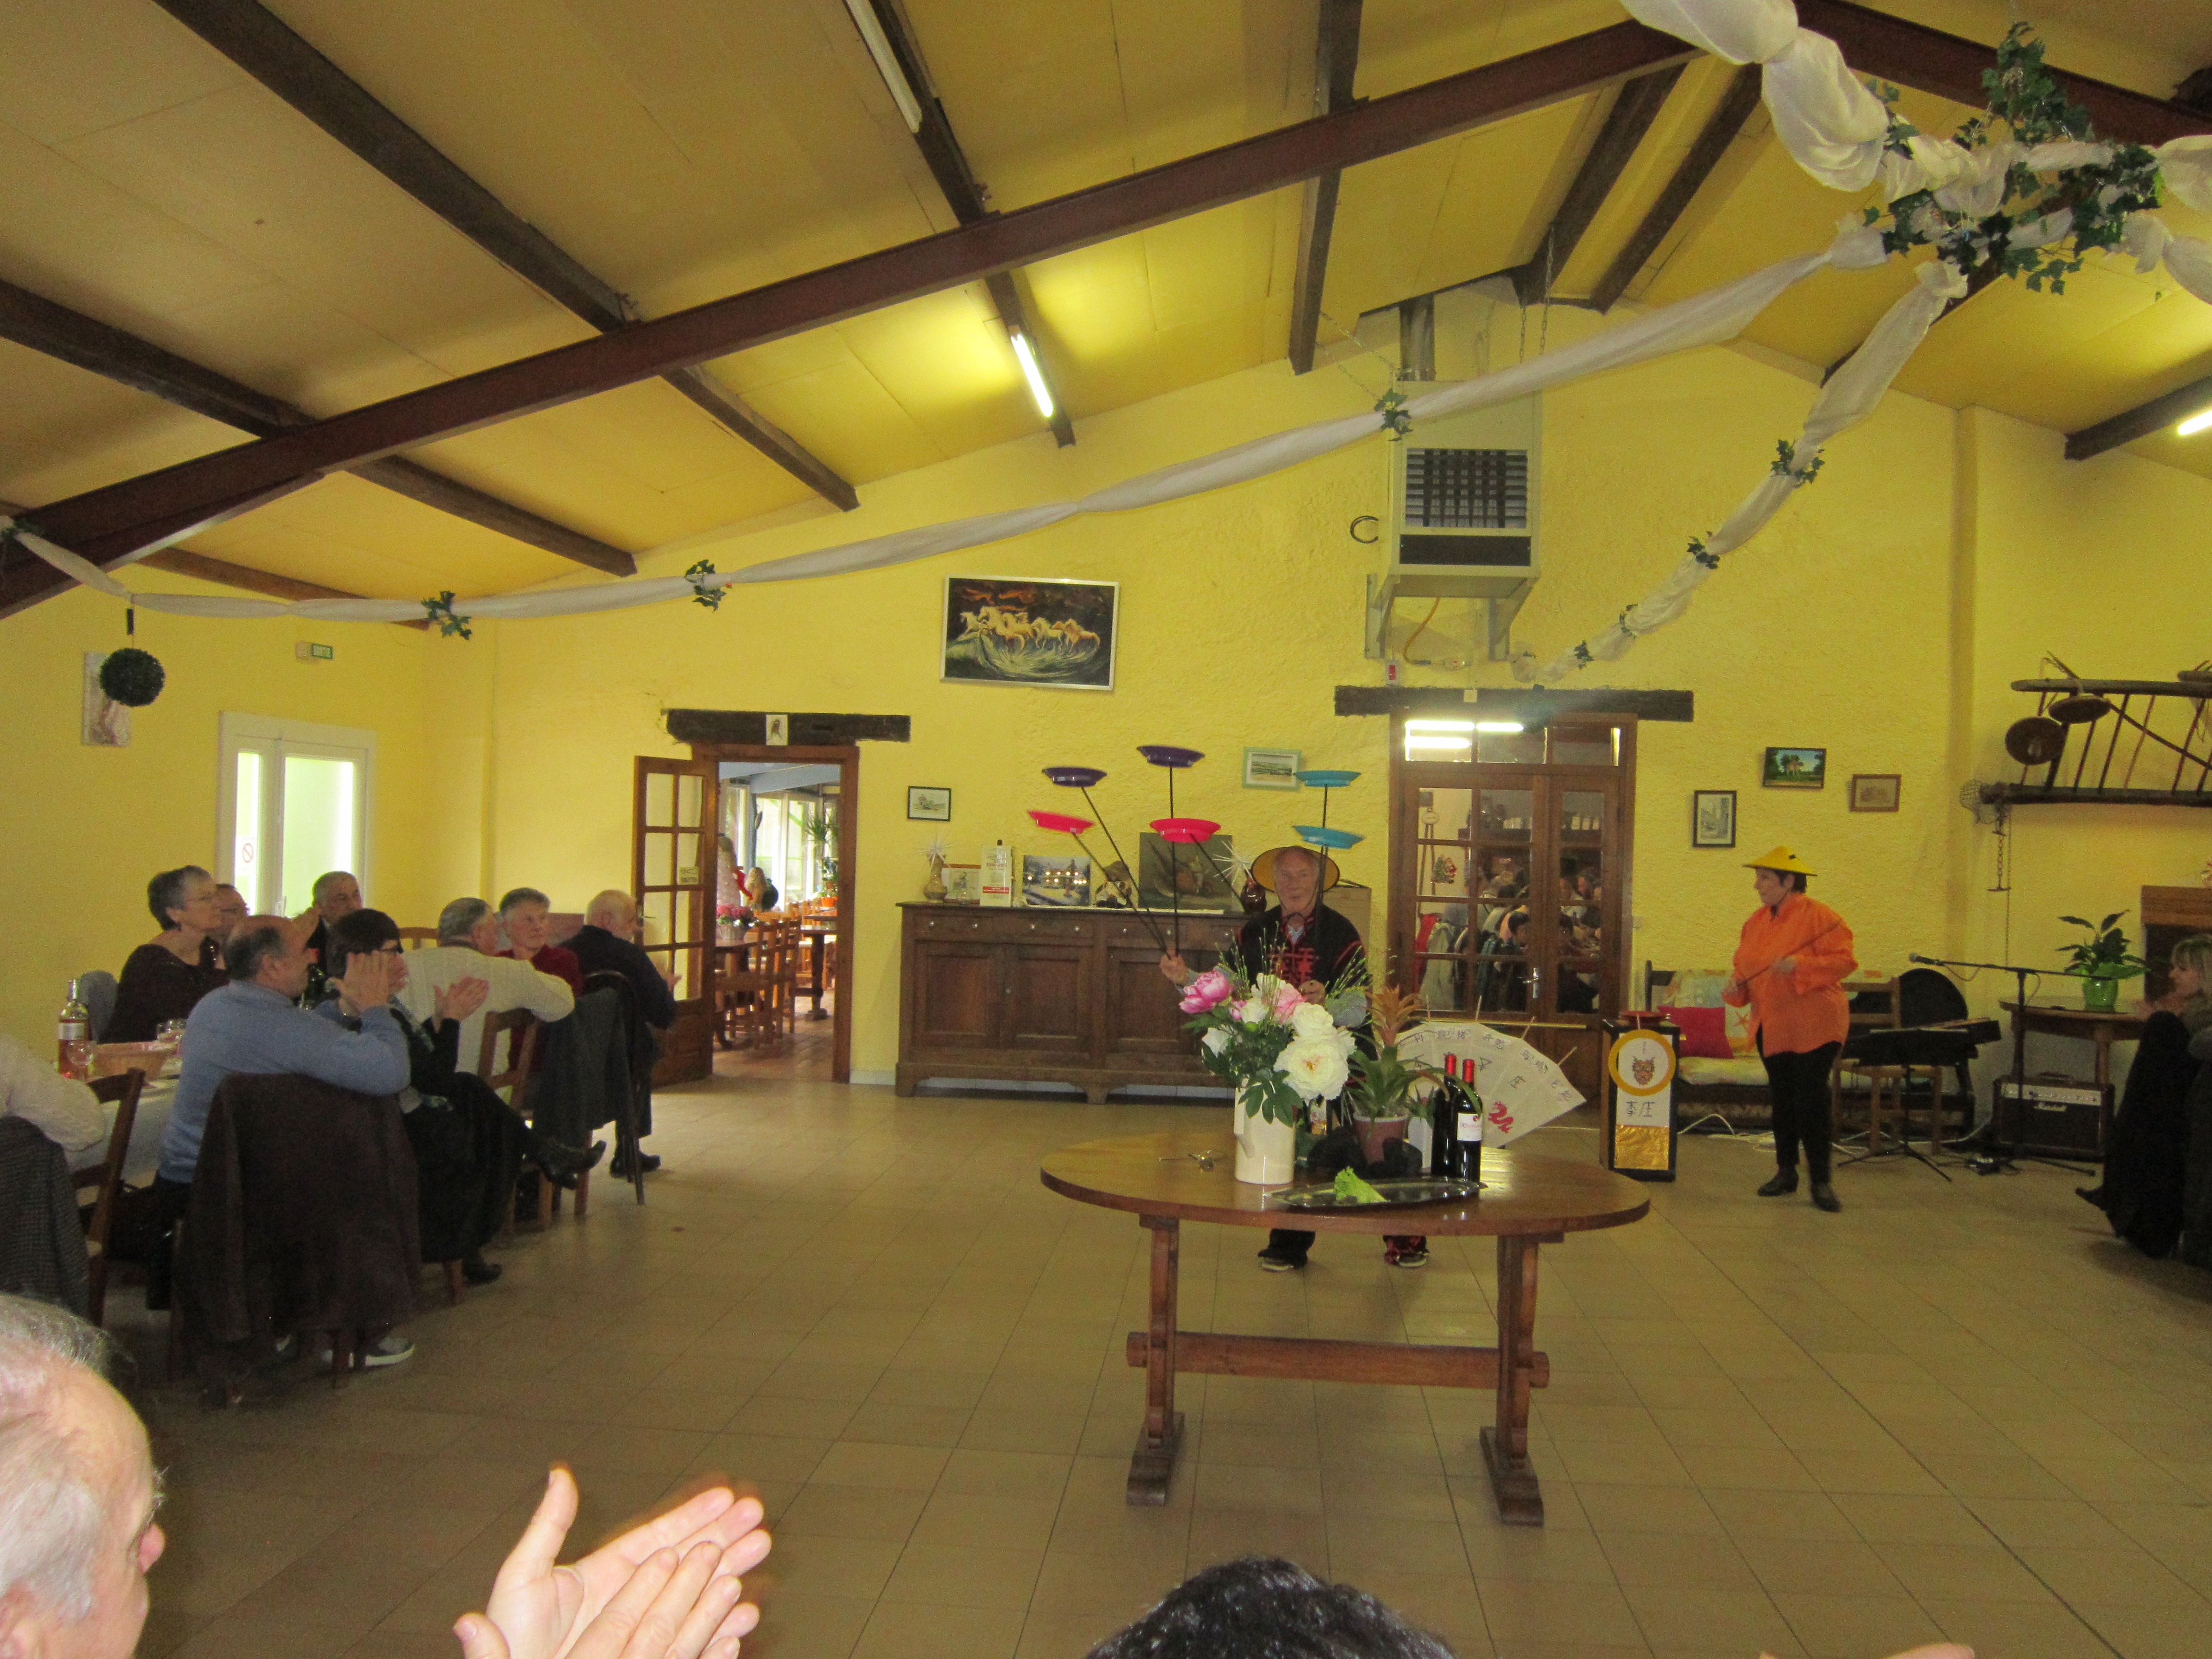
1266,1153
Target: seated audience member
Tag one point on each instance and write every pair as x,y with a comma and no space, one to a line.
607,943
467,948
78,1493
64,1110
165,978
527,916
255,1025
2146,1170
335,896
468,1143
761,896
230,904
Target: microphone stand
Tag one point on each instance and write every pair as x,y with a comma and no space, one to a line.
1997,1159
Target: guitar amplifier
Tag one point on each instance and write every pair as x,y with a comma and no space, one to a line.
2058,1117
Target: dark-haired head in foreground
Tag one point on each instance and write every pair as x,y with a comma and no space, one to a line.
1265,1609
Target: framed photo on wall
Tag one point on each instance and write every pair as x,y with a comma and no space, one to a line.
927,801
1875,792
1006,630
1795,769
1272,769
1712,818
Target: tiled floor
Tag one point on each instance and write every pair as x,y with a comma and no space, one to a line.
1951,1410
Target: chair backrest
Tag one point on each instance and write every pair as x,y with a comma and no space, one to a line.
96,990
1925,997
415,938
522,1055
122,1092
1873,1003
1655,980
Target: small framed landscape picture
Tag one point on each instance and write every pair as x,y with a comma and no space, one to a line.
926,800
963,883
1061,879
1712,818
1875,792
1795,769
1272,769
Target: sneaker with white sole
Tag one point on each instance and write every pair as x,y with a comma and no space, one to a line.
391,1349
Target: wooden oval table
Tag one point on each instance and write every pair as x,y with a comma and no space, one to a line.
1526,1201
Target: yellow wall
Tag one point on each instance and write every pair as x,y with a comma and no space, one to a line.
1935,558
84,827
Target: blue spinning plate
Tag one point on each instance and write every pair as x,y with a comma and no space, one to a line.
1326,780
1315,835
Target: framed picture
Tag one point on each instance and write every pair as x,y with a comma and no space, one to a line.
1795,769
1712,818
1058,879
1021,631
104,722
1272,769
1875,792
963,883
926,800
1175,874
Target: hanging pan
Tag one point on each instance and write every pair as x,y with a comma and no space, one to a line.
2080,709
2036,741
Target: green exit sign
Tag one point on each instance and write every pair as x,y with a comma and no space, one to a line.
308,651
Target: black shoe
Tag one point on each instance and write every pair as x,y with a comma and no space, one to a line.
2089,1194
1824,1197
646,1161
1275,1260
478,1271
562,1164
1785,1181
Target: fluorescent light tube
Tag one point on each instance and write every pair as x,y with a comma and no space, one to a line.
887,63
1417,740
1441,725
1034,375
1500,725
2194,424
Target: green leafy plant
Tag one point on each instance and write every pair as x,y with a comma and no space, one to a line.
1382,1083
450,622
2104,954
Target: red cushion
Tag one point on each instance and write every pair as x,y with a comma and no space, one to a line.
1705,1032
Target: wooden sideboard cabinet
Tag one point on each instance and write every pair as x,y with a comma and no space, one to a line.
1046,996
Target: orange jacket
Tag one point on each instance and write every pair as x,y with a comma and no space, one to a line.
1804,1008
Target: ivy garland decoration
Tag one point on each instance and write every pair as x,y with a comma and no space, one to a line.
700,593
450,622
1391,406
131,677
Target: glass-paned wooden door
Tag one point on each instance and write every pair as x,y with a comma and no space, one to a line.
672,878
1510,888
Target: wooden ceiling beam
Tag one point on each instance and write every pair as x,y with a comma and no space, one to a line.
2141,421
965,195
1634,110
31,319
1705,154
264,46
1336,62
111,523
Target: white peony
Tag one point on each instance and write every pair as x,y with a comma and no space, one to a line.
1254,1011
1215,1041
1316,1067
1312,1019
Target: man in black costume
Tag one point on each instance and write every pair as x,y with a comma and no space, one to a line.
1302,941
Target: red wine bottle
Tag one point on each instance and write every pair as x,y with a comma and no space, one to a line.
1449,1106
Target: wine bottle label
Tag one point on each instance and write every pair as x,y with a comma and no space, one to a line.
1470,1126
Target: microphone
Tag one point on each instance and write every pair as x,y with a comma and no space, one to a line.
1916,957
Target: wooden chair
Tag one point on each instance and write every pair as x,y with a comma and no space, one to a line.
764,999
107,1175
1873,1006
413,939
522,1057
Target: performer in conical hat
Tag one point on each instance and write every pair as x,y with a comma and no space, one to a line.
1789,967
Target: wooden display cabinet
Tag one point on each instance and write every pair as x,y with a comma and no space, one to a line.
1071,996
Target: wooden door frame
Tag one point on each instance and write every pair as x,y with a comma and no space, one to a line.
847,757
1403,832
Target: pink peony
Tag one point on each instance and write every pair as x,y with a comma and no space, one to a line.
1287,1002
1210,988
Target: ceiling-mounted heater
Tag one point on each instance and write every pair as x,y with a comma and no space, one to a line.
1463,517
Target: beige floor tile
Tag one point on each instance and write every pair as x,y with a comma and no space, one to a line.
894,1467
1546,1554
1224,1534
1524,1609
1818,1566
1883,1519
1067,1633
909,1630
985,1519
1952,1572
1780,1515
1079,1581
1688,1560
965,1575
808,1627
2149,1632
1848,1626
2127,1574
2018,1630
1647,1509
807,1564
1725,1620
838,1511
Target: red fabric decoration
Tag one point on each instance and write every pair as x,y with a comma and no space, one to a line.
1705,1032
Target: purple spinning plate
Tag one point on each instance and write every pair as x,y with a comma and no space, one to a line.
1074,777
1166,754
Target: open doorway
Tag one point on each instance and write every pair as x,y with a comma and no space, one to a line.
784,859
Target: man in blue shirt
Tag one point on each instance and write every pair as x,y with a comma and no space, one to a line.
254,1024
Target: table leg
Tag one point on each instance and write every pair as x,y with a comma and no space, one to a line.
1505,1447
1152,1467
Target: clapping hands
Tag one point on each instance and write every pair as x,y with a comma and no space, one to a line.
366,982
667,1589
459,999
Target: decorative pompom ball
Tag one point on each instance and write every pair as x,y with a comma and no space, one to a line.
131,677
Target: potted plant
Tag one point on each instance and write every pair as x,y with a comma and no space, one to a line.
1281,1052
2101,961
1381,1094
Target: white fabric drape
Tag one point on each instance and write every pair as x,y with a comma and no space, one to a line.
1706,318
1832,126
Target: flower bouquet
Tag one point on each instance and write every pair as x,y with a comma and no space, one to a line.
1281,1052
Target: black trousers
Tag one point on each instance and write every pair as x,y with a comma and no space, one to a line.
1798,1083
